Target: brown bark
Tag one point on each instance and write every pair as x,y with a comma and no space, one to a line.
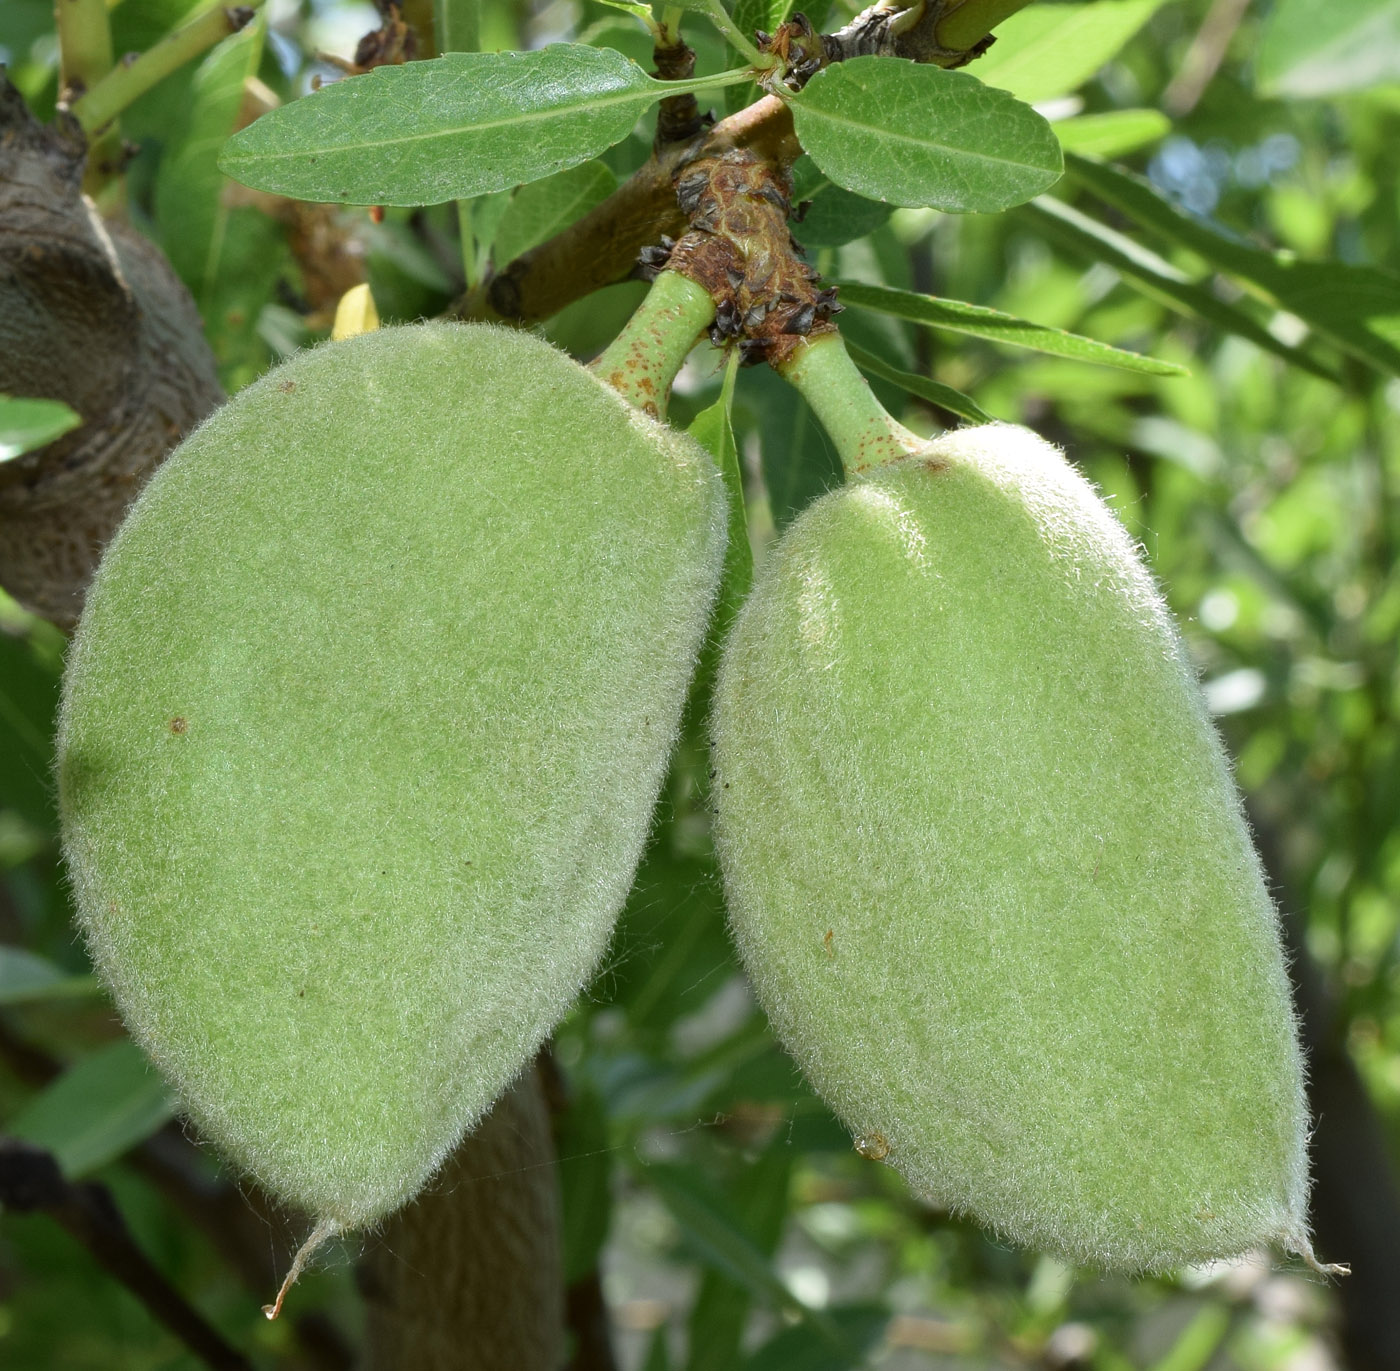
469,1277
90,314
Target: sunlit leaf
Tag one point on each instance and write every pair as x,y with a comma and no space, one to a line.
1112,133
914,134
1157,277
1328,47
448,129
28,424
1355,307
1049,50
991,324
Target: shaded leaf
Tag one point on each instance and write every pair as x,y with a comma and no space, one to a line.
25,977
1049,50
720,1312
1328,47
1356,307
916,135
991,324
28,424
805,1348
945,397
96,1110
585,1182
457,25
541,209
715,1231
190,215
447,129
833,216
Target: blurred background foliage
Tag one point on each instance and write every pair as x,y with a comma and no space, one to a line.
710,1198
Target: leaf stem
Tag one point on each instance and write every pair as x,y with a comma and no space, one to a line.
865,435
84,44
642,361
962,26
741,42
127,82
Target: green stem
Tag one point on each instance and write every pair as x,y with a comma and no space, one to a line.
84,43
741,42
963,26
124,84
642,361
864,433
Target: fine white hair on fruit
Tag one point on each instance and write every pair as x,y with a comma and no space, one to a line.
361,735
988,870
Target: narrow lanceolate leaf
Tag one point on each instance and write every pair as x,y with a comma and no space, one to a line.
26,977
917,135
90,1115
1050,50
28,424
190,212
1327,47
980,322
541,209
1158,278
1355,307
460,125
1112,133
935,392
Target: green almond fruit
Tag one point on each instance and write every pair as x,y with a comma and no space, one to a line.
361,735
988,870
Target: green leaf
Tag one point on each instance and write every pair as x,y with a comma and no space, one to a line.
28,424
447,129
917,135
1355,307
716,1232
1159,279
642,12
805,1348
1328,47
26,977
96,1110
752,15
945,397
585,1177
541,209
833,216
720,1312
190,215
1049,50
457,25
1112,133
713,429
991,324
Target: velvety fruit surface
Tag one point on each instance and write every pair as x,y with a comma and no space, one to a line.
988,871
362,732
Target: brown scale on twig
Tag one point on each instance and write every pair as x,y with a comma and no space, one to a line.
740,250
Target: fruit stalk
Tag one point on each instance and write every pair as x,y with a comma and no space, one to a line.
642,361
864,433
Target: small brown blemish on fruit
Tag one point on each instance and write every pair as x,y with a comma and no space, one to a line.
179,724
828,943
287,387
873,1147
